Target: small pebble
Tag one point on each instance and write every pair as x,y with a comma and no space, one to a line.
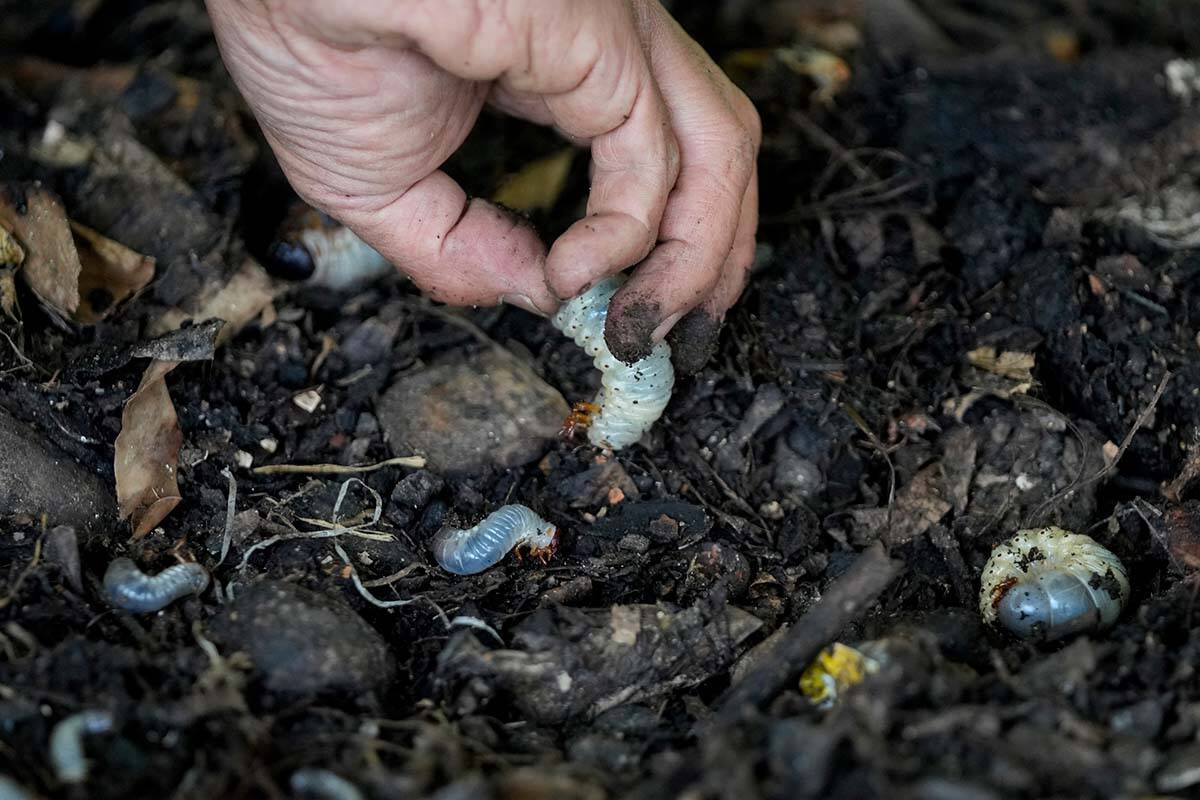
796,475
634,543
308,400
491,410
302,641
416,489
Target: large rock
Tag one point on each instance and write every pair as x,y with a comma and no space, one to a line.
37,478
464,416
304,642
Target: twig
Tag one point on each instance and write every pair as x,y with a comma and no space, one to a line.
375,601
334,530
1108,468
230,508
25,573
841,604
395,576
861,423
422,306
414,462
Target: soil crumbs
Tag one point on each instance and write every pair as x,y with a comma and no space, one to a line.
974,309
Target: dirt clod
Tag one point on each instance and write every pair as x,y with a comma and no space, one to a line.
304,642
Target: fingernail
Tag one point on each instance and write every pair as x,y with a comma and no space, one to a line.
665,326
521,301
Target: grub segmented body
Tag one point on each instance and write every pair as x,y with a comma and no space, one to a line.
319,251
1048,583
466,551
128,588
632,396
67,757
321,784
341,260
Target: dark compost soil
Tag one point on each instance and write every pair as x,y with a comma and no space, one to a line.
998,176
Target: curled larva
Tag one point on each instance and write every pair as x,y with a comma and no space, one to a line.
130,589
632,396
318,251
466,551
11,790
1047,583
66,744
321,784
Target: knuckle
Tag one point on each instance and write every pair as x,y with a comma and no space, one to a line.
673,159
750,118
744,151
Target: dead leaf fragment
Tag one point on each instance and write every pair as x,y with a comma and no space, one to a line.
248,292
537,185
1000,374
11,252
51,267
77,273
919,504
147,452
110,274
1012,364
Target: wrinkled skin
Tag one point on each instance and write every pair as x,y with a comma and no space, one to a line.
363,102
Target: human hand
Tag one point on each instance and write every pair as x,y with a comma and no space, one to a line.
362,102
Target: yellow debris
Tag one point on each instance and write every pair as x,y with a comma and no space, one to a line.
833,671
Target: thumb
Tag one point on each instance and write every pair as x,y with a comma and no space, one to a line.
459,251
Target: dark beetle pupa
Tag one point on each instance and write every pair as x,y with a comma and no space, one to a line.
130,589
466,551
632,396
1047,583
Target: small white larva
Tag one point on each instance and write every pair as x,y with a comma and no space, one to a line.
66,744
341,260
466,551
632,396
319,251
321,784
1047,583
130,589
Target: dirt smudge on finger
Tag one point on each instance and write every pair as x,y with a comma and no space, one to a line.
629,327
693,341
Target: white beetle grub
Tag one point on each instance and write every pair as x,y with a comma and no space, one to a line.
66,744
466,551
1047,583
128,588
632,396
316,250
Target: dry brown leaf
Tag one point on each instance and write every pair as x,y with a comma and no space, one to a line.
537,185
51,267
147,452
1012,364
919,504
111,274
991,373
247,293
8,293
11,252
77,273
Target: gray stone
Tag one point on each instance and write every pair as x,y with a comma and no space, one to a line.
491,410
302,641
37,478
